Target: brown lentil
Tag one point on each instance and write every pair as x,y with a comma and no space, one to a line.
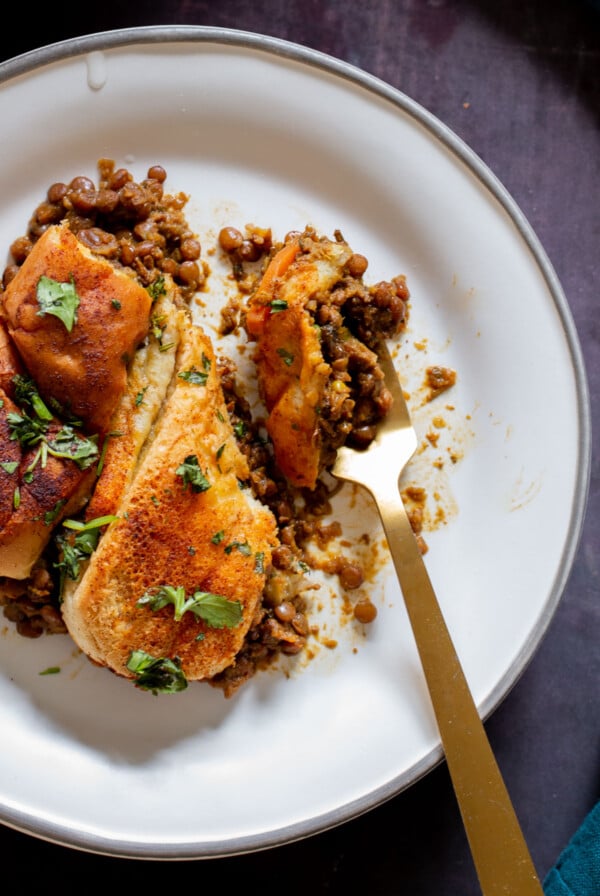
365,611
136,225
351,576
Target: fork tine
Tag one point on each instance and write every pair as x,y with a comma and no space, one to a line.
399,415
394,444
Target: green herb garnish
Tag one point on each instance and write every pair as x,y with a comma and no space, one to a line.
51,515
215,609
75,550
27,394
140,396
157,674
59,299
192,475
30,430
157,288
24,429
194,376
158,326
66,443
242,546
287,357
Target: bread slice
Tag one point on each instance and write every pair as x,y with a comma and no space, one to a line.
203,533
83,368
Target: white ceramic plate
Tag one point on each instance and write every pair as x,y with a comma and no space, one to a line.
265,132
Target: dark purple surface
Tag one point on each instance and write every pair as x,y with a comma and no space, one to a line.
520,84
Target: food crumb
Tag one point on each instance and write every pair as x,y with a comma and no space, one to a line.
439,379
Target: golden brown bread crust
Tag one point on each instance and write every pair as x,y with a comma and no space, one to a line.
85,369
218,540
10,363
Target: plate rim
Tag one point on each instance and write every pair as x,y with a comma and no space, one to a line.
59,51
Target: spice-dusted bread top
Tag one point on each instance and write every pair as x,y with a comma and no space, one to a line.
184,522
76,321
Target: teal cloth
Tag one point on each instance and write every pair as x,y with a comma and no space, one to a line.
577,870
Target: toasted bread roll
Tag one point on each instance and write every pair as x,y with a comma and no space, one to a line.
82,364
200,533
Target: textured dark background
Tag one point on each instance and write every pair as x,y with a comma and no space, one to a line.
519,82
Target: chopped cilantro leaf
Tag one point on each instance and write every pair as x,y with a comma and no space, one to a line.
194,376
287,357
75,550
157,674
51,515
242,546
157,325
27,394
66,443
192,475
215,609
25,429
140,396
157,288
59,299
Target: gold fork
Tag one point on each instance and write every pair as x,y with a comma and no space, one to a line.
500,854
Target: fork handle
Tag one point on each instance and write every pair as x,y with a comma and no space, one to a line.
498,848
